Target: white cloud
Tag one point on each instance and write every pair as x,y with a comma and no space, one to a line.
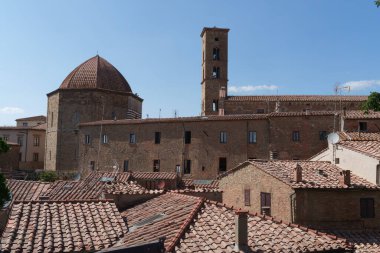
360,85
11,110
247,88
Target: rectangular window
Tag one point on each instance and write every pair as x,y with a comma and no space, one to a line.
265,203
87,139
156,165
92,165
223,137
367,208
187,137
178,169
187,167
363,126
247,197
20,140
35,157
104,139
222,164
132,138
215,105
25,124
49,154
157,137
260,111
5,137
296,136
52,119
36,140
126,165
273,155
322,135
251,137
337,160
19,157
378,174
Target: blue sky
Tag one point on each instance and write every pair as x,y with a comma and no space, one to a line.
275,47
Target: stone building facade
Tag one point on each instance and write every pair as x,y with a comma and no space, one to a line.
315,194
95,90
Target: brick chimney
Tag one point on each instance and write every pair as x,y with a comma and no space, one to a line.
241,230
345,178
297,173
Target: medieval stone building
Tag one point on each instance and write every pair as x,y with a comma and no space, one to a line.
95,90
94,123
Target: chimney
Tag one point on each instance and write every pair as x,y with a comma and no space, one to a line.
345,178
241,230
297,173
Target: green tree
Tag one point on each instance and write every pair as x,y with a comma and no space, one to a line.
4,147
373,102
377,2
48,176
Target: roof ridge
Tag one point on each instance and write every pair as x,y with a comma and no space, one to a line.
64,201
97,70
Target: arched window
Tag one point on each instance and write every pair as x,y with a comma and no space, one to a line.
215,54
216,72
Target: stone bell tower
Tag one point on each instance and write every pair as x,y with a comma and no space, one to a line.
214,69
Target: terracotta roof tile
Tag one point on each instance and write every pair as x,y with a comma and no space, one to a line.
130,187
154,175
68,226
358,136
200,184
33,118
27,190
315,174
291,98
96,73
213,231
167,215
362,115
363,241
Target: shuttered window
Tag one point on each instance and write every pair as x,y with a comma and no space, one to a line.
265,203
367,208
247,197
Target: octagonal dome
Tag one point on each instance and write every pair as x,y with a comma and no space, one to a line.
96,73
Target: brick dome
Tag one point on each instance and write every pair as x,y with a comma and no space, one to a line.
96,73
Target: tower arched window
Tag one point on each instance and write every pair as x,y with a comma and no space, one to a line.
216,72
215,54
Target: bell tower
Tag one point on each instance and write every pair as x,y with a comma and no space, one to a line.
214,69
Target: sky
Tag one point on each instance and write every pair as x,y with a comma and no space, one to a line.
275,47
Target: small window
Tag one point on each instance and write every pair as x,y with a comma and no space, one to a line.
19,157
378,174
273,155
6,137
36,140
216,39
52,119
178,169
260,111
35,157
113,115
132,138
265,203
92,165
363,126
104,139
322,135
87,139
25,124
251,137
126,165
187,167
156,165
247,197
216,72
367,208
187,137
223,137
215,54
296,136
20,140
222,164
215,105
49,154
337,160
157,137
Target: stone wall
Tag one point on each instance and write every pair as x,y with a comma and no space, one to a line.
9,161
257,181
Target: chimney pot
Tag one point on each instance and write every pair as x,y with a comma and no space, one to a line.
297,176
241,230
345,178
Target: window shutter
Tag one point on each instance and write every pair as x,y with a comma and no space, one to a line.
247,197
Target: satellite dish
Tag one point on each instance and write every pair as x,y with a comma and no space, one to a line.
333,138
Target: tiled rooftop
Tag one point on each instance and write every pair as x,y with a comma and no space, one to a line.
96,72
69,226
362,115
370,148
27,190
315,174
213,231
130,187
167,215
33,118
66,190
290,98
200,184
359,136
363,241
154,175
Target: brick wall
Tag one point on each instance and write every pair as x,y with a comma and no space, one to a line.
256,181
335,208
9,160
